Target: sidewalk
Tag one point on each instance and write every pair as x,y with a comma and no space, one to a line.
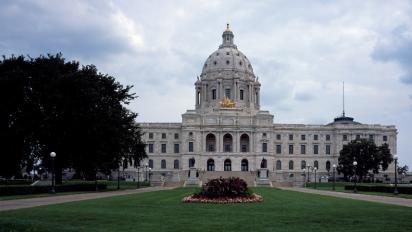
39,201
355,196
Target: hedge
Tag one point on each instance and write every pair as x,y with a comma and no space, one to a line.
380,188
16,182
23,190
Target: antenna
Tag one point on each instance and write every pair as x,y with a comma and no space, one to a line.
343,99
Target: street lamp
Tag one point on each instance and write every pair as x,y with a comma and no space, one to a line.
354,167
315,168
52,155
395,191
333,173
150,174
304,176
138,176
145,174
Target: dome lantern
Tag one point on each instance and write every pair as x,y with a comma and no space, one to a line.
227,38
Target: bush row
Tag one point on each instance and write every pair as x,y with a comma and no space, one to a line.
16,182
23,190
225,187
379,188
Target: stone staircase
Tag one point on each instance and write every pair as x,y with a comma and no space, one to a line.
249,177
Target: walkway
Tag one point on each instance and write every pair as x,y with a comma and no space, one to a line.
357,196
39,201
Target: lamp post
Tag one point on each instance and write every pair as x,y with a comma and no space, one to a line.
138,176
145,174
52,155
150,174
333,173
354,167
395,191
304,176
118,175
315,168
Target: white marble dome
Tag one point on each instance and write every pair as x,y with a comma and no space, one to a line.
227,58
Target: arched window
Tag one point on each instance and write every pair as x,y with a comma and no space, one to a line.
244,143
151,164
163,164
228,165
278,165
191,162
264,163
303,164
210,143
291,165
227,142
176,164
328,165
210,165
244,166
316,164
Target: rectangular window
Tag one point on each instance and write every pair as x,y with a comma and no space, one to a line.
264,147
214,94
290,149
227,93
278,137
345,138
315,149
278,149
385,138
315,137
176,136
358,137
150,147
327,137
327,149
190,146
150,135
371,137
176,148
163,135
303,137
241,95
290,137
163,148
302,149
228,148
244,148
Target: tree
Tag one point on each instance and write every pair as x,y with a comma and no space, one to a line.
368,156
77,112
402,170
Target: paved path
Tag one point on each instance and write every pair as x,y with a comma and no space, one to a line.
38,201
357,196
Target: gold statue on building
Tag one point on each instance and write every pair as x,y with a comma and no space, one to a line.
227,103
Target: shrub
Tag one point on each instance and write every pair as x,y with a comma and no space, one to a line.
225,187
380,188
23,190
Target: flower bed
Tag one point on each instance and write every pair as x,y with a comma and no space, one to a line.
223,200
223,191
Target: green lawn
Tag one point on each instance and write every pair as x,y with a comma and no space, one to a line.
163,211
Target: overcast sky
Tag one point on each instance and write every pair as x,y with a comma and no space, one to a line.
301,51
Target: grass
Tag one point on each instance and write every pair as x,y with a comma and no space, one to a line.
163,211
111,186
340,187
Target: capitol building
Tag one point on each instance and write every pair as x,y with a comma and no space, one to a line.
228,134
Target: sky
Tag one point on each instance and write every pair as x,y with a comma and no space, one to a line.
301,51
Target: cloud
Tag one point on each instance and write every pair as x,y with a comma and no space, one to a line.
303,97
397,47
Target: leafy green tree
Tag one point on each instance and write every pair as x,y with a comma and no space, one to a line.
402,170
368,156
77,112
